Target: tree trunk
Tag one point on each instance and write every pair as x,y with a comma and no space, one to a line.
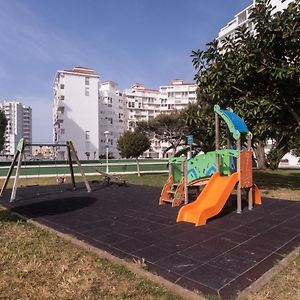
277,152
259,151
138,167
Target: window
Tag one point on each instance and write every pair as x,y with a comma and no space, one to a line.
87,135
87,80
62,97
87,91
62,86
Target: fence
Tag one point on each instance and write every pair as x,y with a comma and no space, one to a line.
32,169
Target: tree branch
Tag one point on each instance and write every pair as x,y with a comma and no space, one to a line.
292,112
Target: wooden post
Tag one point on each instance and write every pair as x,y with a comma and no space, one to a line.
9,172
15,186
249,141
80,167
217,133
71,166
239,190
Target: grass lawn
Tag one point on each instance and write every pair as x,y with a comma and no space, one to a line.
36,264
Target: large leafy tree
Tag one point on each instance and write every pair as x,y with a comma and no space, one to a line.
169,128
199,118
3,123
133,144
258,76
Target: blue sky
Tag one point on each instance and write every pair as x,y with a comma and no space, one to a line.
147,41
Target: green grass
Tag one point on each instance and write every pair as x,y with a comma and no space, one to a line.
283,184
36,264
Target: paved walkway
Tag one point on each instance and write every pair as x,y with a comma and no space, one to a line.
221,258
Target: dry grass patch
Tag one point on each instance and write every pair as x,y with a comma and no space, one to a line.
36,264
285,285
280,184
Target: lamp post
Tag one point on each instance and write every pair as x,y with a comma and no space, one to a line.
106,133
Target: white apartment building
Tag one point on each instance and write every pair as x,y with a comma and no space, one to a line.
76,111
242,18
143,104
113,117
83,110
19,125
176,96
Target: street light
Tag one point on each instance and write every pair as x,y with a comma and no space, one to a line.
106,133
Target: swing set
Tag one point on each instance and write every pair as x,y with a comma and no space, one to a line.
20,154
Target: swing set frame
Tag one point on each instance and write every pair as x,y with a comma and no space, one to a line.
19,155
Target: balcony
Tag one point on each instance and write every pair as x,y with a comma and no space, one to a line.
58,121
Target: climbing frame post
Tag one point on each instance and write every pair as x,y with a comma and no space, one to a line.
239,190
186,196
217,134
250,190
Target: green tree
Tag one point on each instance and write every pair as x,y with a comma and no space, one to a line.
169,128
3,124
133,144
258,76
199,118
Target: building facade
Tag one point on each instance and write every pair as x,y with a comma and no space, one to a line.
112,117
242,18
93,115
83,110
76,112
144,104
19,125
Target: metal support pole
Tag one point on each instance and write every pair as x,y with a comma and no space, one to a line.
250,198
186,194
107,170
250,190
239,190
217,133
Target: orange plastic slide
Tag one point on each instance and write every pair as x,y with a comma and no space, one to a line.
210,202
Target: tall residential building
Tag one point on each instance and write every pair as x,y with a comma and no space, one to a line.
19,125
113,117
176,96
143,104
242,18
83,110
76,111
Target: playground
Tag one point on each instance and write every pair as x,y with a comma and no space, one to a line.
223,257
217,242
